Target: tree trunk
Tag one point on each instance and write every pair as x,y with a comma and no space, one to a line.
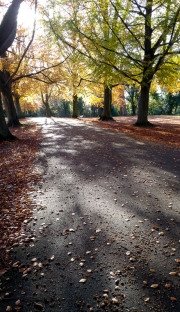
48,112
133,105
45,100
18,106
75,113
106,115
5,134
8,26
5,86
143,105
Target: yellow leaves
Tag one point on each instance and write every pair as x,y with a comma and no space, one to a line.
118,97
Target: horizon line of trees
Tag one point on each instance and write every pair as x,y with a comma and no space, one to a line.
162,103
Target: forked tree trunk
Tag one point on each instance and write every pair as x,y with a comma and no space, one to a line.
106,115
75,113
5,134
8,99
45,100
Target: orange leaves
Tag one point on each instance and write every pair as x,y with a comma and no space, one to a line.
167,130
16,176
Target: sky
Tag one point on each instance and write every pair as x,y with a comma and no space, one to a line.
26,15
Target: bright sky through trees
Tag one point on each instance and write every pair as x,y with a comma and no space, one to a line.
26,15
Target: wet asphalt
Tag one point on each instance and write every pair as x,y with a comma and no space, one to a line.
104,235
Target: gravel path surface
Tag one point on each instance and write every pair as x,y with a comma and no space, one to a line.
105,230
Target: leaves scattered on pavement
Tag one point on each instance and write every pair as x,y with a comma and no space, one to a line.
17,180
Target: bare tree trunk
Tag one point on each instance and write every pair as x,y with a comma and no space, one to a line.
45,100
8,26
106,115
75,113
5,134
143,105
5,81
48,112
148,73
18,106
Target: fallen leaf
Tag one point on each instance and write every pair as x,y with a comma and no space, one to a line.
145,282
172,273
177,260
154,286
2,272
18,302
155,227
114,300
38,305
83,280
92,237
173,298
117,288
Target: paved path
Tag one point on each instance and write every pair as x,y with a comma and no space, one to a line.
106,231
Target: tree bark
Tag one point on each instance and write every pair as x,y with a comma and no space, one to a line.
133,105
8,26
5,85
18,106
106,115
45,100
148,72
143,105
5,134
48,112
75,113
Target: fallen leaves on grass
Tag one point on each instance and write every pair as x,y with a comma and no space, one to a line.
166,130
17,179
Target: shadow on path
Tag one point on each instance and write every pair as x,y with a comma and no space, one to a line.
105,232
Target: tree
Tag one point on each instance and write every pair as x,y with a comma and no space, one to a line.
141,39
132,98
82,69
6,89
171,102
8,28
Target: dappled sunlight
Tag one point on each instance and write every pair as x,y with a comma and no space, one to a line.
107,230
